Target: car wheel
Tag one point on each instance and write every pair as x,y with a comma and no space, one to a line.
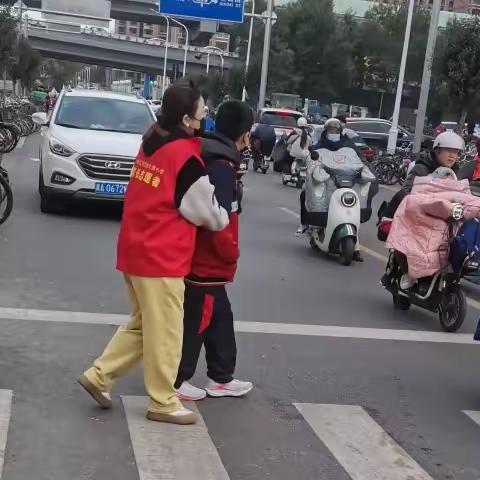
47,202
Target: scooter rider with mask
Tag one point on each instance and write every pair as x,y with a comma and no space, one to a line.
332,139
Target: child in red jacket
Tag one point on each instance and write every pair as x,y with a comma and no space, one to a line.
208,317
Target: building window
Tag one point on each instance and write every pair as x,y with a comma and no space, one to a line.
450,5
132,30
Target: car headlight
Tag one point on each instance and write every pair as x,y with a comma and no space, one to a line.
58,148
348,199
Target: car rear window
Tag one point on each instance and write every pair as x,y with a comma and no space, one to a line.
280,119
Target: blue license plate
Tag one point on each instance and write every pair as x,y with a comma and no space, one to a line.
110,188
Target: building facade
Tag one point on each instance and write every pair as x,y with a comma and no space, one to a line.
149,31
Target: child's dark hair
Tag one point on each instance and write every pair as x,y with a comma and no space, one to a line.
234,118
179,100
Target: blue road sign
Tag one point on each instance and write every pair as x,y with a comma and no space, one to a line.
221,10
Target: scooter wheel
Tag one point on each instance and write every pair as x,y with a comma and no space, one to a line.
452,309
300,183
284,181
264,170
347,249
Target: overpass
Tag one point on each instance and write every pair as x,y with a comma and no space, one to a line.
120,51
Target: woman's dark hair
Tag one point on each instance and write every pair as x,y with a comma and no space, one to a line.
304,138
179,100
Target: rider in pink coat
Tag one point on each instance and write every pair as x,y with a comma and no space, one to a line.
420,225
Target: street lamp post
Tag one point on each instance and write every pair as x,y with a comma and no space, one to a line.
217,51
393,134
249,49
427,75
266,54
186,44
186,35
166,53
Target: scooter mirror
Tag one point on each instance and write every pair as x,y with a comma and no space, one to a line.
315,155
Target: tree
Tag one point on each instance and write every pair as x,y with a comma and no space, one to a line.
321,52
8,38
27,65
57,73
459,65
381,42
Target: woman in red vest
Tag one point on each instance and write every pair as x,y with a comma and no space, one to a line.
168,197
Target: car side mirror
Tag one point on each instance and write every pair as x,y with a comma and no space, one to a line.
40,118
315,155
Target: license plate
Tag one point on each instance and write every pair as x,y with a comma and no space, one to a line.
303,174
110,188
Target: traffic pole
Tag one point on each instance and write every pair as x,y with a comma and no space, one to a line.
393,134
249,49
266,55
427,75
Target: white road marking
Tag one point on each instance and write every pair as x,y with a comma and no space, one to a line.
473,415
354,332
290,212
33,159
360,445
171,452
5,414
383,258
253,327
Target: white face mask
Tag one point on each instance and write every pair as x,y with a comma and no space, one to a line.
333,137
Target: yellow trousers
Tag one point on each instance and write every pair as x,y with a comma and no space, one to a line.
155,332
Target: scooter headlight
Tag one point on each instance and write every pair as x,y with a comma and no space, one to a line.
349,199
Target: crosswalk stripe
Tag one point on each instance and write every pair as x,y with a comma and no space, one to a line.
171,452
474,415
5,414
360,445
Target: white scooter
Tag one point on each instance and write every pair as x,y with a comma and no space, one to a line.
335,229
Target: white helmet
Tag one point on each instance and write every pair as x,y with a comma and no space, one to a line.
302,122
449,140
333,122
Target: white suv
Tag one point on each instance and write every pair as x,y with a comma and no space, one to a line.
89,145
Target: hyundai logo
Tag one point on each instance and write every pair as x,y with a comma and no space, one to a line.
113,165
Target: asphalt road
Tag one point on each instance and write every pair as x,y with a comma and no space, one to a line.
415,392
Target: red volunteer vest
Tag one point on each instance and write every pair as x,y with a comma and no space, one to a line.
155,240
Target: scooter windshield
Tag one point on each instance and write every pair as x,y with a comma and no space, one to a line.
344,166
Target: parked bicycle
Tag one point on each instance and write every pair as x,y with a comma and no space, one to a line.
391,169
6,195
15,122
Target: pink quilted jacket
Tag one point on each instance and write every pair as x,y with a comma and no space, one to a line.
420,230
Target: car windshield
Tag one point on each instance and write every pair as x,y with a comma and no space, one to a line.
280,119
106,114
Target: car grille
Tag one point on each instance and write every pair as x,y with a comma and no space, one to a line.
105,167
